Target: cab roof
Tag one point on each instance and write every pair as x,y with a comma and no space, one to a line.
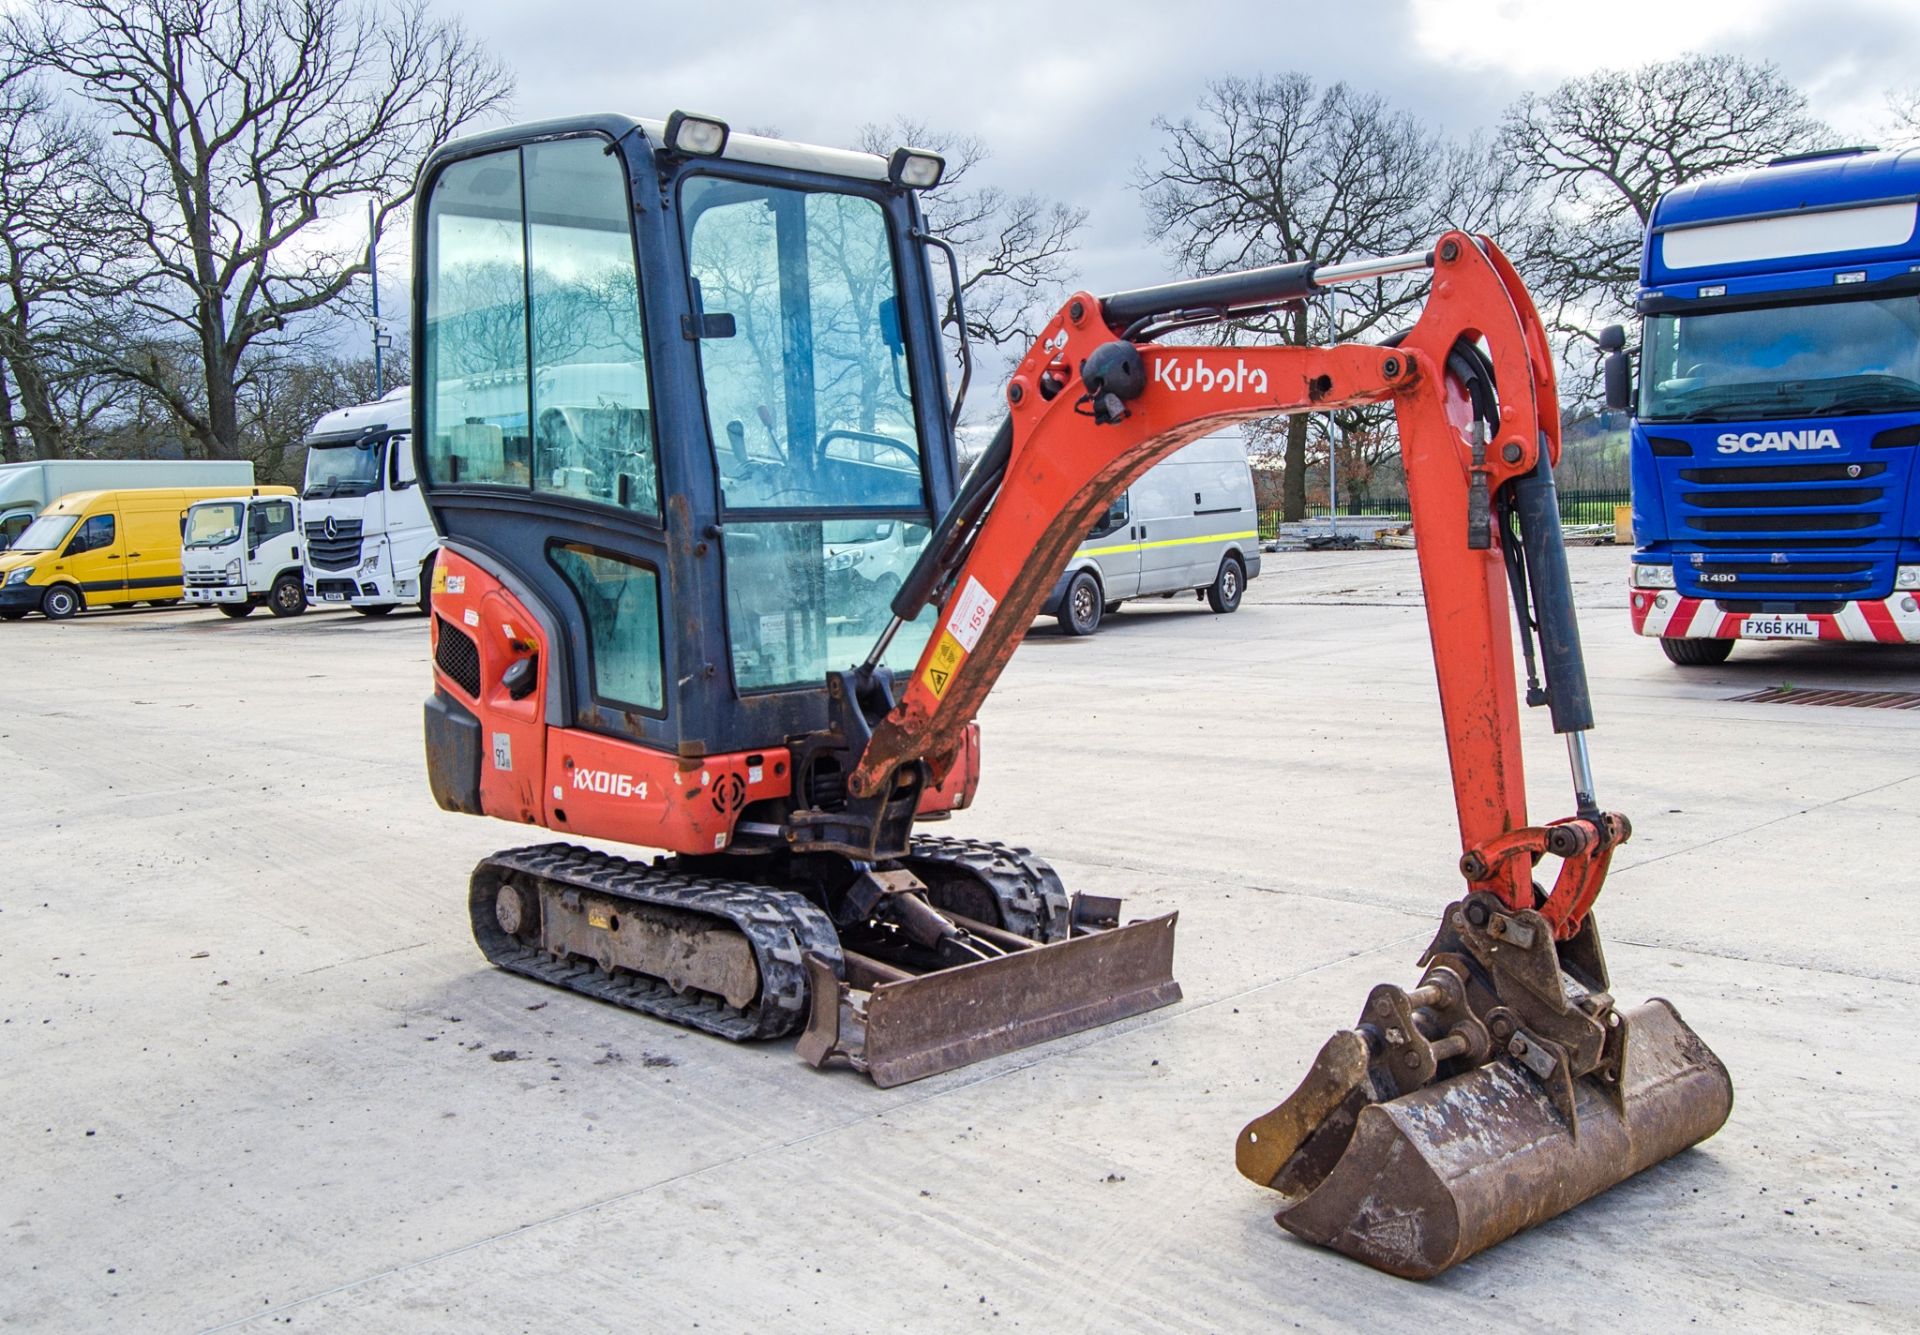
740,147
1839,179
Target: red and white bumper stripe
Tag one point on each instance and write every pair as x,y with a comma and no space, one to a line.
1665,614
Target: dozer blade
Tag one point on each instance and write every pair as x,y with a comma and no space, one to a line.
1381,1160
897,1026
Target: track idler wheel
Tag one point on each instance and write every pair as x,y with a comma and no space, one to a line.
1504,1090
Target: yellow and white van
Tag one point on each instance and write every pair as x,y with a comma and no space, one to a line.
102,549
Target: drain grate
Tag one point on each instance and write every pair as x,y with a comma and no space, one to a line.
1800,695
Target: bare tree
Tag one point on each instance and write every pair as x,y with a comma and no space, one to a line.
248,135
1014,249
59,242
1274,170
1598,151
1903,106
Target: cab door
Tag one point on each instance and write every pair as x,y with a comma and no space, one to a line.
153,527
95,557
272,544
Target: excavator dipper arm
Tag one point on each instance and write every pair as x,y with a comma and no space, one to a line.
1506,1087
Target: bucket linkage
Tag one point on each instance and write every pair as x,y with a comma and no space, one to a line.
1504,1090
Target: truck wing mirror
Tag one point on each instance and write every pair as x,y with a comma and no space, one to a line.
1617,372
1613,338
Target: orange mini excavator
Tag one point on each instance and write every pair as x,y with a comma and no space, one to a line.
711,584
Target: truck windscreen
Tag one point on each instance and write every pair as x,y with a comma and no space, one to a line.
1821,359
213,525
343,468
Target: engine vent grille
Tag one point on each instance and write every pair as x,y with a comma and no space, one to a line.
458,656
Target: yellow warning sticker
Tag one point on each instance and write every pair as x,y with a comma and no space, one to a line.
439,578
946,659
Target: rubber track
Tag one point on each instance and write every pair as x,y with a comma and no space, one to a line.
780,926
1033,902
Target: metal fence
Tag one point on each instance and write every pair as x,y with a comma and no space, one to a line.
1577,506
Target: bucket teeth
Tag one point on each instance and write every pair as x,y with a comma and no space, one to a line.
1510,1128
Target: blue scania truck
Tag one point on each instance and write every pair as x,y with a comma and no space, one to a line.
1776,422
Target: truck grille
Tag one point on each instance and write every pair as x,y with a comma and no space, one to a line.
338,552
1768,535
205,579
1746,577
458,656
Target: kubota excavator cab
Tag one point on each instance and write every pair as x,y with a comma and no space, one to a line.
671,381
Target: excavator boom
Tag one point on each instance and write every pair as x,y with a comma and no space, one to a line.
1506,1087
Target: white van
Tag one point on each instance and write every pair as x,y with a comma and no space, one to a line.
1188,524
242,552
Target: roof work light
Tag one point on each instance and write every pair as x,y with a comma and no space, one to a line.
915,168
696,136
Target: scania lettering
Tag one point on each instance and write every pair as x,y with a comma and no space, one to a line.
1776,423
1756,442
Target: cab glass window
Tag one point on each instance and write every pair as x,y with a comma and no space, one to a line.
213,525
476,324
802,361
95,533
620,600
807,596
536,361
271,519
591,414
1110,522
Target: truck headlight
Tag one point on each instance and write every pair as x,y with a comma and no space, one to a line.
1907,577
20,576
1652,577
842,560
233,571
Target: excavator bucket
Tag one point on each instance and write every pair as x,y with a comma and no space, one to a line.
898,1026
1381,1160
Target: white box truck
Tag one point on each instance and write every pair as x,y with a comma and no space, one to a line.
28,488
368,541
243,552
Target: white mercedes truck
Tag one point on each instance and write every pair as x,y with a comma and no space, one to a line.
368,541
242,552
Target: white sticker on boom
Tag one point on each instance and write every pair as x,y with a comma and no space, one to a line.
970,613
472,618
502,751
456,583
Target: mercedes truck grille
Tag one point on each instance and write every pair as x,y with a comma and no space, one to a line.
338,550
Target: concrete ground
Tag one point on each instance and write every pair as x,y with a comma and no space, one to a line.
256,1075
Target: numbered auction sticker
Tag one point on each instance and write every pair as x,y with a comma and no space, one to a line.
970,614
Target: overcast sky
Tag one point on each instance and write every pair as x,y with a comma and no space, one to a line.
1065,95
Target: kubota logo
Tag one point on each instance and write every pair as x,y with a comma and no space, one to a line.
1235,379
1760,442
609,784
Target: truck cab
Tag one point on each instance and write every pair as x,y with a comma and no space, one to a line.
368,540
243,552
1777,416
